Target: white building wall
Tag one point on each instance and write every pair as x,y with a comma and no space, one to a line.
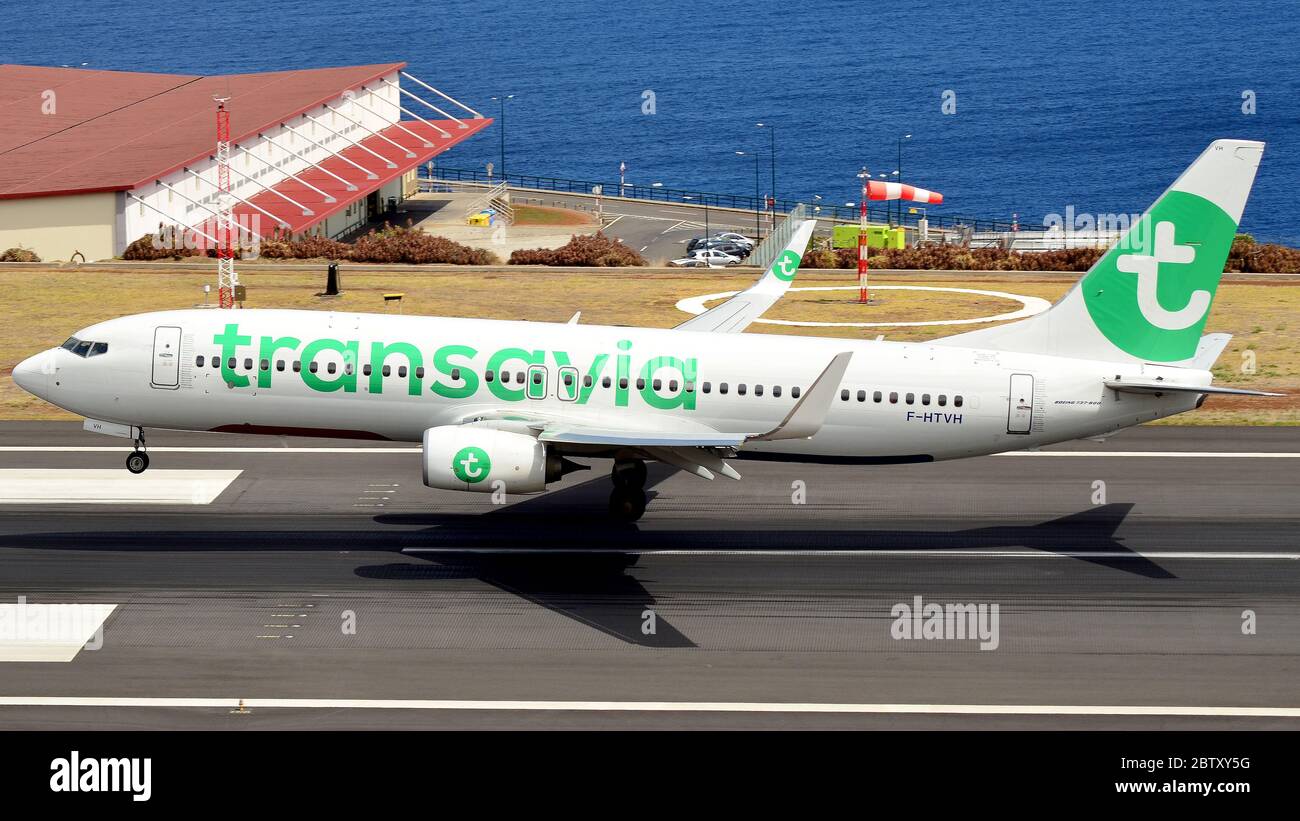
267,160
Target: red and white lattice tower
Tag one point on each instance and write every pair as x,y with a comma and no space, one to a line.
227,279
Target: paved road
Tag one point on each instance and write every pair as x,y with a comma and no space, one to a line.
755,599
659,231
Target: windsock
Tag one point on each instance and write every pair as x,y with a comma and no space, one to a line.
898,191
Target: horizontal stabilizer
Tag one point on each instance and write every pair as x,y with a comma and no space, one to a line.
1150,386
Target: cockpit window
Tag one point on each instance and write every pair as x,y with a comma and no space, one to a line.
84,348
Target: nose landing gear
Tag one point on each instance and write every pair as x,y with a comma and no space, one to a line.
627,501
138,461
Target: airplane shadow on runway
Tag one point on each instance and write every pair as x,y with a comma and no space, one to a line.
572,556
556,551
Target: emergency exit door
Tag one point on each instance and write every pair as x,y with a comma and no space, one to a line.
1020,403
166,357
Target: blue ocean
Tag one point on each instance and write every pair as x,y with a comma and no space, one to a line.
1093,105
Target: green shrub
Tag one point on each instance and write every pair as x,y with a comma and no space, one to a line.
170,244
18,255
414,247
595,250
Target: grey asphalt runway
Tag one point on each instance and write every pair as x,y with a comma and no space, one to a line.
773,607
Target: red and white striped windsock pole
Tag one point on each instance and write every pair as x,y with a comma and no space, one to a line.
879,190
863,296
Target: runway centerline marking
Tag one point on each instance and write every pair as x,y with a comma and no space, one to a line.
654,706
945,553
1187,454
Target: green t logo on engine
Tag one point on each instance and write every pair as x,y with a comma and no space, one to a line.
471,464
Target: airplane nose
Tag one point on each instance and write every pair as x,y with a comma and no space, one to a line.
32,374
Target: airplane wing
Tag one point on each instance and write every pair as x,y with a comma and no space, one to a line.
737,313
692,449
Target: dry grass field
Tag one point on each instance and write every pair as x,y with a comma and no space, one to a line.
43,306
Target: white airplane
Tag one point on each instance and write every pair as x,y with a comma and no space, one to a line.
501,405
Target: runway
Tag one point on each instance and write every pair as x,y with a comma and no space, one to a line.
327,587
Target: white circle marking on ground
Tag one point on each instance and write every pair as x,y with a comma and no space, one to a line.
1030,305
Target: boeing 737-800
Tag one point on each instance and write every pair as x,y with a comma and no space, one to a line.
502,405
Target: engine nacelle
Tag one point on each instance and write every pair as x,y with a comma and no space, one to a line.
463,457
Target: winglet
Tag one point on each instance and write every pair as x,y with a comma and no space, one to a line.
807,415
737,313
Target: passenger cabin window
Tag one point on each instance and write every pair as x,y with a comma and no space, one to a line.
911,398
330,367
230,363
893,397
312,366
706,387
419,372
844,395
794,392
956,401
198,361
248,363
758,390
387,370
925,399
605,383
488,376
279,365
722,387
640,384
776,391
740,389
622,382
401,371
265,364
657,384
862,396
877,396
943,399
297,366
587,381
455,372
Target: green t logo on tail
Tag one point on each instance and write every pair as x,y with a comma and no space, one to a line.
1151,293
786,266
471,464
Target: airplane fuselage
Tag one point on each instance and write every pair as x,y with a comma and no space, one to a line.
393,377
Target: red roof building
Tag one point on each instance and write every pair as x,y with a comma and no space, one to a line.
91,160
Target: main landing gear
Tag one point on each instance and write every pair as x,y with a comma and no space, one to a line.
627,501
138,461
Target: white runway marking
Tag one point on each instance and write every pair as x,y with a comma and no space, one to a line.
938,553
1029,306
53,486
48,632
656,706
1191,454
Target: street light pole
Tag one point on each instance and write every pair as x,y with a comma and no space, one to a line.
771,131
900,174
502,102
758,201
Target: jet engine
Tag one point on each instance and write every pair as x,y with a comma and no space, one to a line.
464,457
